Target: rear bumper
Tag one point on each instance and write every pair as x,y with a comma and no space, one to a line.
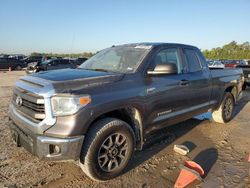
48,148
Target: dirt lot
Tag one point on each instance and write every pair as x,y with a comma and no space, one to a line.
222,150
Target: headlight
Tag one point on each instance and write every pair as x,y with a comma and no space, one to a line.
68,105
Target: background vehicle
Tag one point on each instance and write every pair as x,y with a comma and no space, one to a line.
31,59
14,64
244,65
247,61
216,64
17,56
234,63
102,111
50,64
80,60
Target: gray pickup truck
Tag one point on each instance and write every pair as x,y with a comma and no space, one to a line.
99,113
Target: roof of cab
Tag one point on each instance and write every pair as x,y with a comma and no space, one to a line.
157,44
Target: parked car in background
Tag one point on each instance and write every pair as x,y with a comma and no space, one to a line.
244,65
216,65
247,61
17,56
80,60
51,64
234,63
4,56
31,59
14,64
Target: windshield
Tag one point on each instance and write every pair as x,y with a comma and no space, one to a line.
46,62
210,62
124,59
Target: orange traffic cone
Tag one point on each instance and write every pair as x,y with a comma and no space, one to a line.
189,173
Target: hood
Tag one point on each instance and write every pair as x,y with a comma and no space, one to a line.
70,80
32,64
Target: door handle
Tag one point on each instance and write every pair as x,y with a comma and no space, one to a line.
184,82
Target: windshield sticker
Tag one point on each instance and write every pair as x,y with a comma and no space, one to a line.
143,47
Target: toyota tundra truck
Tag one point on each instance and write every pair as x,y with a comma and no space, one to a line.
101,112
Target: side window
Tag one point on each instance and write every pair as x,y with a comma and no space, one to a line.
202,59
65,61
193,61
61,62
54,62
10,60
169,55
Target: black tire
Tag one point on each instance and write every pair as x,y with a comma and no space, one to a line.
225,112
103,133
244,86
18,67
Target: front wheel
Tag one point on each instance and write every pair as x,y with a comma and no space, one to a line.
225,112
244,86
108,147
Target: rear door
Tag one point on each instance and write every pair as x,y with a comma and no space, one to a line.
198,80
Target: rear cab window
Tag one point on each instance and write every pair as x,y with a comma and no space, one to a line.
194,64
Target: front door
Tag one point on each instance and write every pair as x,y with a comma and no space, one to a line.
166,95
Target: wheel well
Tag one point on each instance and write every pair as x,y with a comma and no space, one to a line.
17,66
233,91
131,116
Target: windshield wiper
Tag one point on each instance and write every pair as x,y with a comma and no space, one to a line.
101,70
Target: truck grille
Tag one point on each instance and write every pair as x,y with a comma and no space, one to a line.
31,105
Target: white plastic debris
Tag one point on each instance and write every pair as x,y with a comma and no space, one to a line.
181,149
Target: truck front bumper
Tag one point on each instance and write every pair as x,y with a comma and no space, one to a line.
48,148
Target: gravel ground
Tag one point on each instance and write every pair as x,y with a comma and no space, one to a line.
222,151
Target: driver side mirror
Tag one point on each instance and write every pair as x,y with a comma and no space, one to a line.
162,69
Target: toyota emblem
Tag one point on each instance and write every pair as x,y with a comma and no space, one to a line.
19,101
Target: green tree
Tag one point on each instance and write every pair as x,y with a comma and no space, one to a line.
231,50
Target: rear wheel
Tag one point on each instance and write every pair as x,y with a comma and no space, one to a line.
225,112
107,149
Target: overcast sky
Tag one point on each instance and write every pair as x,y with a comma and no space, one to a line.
71,26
